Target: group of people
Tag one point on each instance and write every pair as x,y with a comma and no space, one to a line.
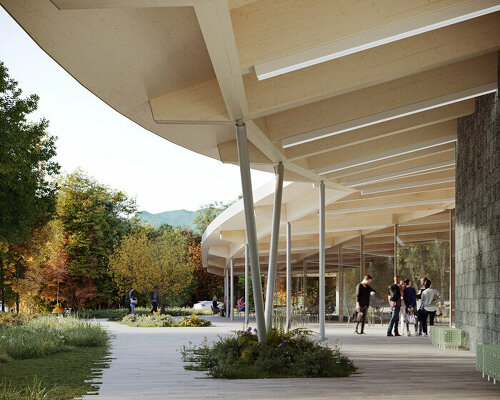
240,305
154,298
416,307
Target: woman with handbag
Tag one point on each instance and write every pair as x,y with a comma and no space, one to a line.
410,300
133,301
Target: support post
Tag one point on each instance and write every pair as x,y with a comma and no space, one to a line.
304,284
231,290
361,257
395,261
247,295
273,250
452,271
340,286
226,293
288,275
321,282
246,185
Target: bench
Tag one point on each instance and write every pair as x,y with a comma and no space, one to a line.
488,360
445,336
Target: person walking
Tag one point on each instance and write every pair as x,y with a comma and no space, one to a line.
153,298
133,301
410,301
395,294
430,300
363,293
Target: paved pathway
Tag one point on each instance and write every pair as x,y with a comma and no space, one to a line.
147,365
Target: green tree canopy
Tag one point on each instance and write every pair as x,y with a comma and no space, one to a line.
27,192
207,213
94,218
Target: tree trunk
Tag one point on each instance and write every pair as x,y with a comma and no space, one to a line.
17,293
162,302
1,282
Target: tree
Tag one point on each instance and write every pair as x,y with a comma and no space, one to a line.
207,213
146,260
94,218
27,190
206,285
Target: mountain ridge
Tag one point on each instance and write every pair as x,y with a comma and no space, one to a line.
181,218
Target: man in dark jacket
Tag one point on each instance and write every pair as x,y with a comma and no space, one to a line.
363,293
153,297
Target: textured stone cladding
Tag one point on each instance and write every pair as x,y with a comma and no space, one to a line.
477,254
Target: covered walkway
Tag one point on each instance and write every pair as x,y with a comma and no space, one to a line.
147,365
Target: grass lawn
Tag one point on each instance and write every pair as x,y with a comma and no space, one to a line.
65,372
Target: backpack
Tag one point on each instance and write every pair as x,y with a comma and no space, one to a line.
394,292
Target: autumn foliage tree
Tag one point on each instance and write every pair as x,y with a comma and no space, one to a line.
146,259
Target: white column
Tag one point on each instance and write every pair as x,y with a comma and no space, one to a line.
246,185
247,295
395,249
321,281
231,302
273,247
226,292
361,257
288,275
304,284
340,286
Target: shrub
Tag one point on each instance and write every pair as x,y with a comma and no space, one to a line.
49,335
193,320
12,319
284,355
148,321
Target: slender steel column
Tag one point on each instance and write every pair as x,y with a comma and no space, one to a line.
226,292
288,274
451,267
395,249
340,286
361,257
297,287
231,293
246,185
321,282
273,247
247,295
304,284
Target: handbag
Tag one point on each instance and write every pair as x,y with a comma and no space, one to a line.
410,319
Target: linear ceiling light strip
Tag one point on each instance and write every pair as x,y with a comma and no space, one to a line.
376,37
389,115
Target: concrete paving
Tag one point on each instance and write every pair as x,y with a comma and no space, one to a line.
147,365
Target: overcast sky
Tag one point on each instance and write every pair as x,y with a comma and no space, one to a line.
161,175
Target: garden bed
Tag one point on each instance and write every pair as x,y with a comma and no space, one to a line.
295,354
147,321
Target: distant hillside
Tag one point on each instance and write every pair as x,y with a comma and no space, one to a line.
181,218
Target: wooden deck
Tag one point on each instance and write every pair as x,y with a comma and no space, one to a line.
147,365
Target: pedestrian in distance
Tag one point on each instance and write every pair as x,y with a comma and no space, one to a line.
410,301
430,300
363,293
421,314
154,298
241,304
215,305
394,297
133,301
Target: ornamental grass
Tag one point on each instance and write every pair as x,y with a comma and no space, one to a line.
295,354
49,335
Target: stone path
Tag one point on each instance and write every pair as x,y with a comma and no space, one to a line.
147,365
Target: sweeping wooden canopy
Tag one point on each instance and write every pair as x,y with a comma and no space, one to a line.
363,95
